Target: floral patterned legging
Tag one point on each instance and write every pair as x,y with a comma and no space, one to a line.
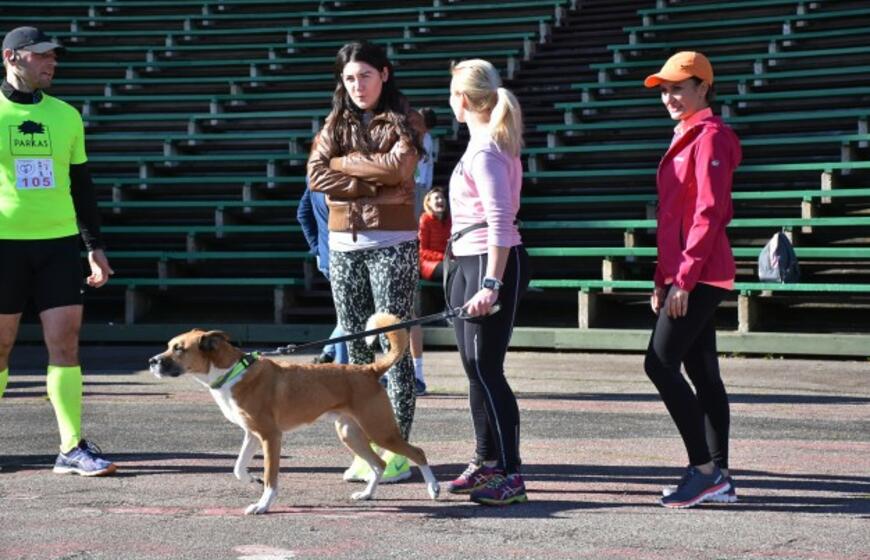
378,280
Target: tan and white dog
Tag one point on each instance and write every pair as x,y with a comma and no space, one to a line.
266,398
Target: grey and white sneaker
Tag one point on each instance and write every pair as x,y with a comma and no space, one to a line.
86,460
696,487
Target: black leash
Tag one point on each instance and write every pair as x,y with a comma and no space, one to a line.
448,254
457,312
449,313
448,257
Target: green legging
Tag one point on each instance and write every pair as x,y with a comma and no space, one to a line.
64,385
65,392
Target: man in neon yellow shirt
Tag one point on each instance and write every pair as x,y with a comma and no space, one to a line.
47,200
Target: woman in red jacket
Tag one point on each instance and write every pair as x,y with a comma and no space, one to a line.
694,274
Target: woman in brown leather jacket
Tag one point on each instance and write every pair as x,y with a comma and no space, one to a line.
364,161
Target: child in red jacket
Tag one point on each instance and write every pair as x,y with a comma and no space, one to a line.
695,272
433,233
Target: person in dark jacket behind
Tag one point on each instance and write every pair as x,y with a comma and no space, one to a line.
695,272
313,215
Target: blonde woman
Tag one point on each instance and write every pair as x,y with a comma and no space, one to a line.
492,266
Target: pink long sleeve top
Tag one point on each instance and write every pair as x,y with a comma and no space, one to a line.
485,187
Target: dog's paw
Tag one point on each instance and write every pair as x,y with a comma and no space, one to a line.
246,478
256,509
434,490
361,496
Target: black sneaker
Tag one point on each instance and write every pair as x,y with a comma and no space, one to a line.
420,387
696,487
323,358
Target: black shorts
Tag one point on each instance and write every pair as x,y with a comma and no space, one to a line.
47,270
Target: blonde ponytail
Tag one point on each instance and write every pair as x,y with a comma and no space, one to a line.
506,123
479,81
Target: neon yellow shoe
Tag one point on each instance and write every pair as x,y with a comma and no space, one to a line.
398,468
358,471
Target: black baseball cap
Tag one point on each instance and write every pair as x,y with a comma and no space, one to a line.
30,39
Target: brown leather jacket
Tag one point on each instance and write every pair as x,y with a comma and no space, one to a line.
367,192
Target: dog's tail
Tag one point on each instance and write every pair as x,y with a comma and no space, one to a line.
398,340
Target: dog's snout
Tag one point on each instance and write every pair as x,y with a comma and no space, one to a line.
162,365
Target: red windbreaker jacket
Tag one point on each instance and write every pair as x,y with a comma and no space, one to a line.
433,235
694,186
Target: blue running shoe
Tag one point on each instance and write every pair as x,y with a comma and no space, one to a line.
670,489
729,497
420,387
696,487
85,460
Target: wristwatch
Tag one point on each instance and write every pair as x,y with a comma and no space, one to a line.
491,284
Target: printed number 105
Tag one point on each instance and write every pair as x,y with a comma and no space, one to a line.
36,181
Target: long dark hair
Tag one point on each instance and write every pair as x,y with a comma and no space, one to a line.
347,127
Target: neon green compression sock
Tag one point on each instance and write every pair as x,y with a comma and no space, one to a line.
4,378
65,392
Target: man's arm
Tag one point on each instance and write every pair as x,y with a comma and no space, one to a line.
85,203
88,217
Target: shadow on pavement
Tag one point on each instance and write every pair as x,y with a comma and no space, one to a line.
733,398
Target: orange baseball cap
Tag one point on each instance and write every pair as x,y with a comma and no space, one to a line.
682,66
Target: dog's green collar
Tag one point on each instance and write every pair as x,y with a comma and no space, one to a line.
237,370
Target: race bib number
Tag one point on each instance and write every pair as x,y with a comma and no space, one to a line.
34,174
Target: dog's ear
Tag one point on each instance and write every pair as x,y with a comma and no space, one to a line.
210,340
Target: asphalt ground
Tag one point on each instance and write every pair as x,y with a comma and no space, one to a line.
597,447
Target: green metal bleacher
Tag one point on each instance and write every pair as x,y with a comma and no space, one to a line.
774,115
157,157
786,20
220,201
295,33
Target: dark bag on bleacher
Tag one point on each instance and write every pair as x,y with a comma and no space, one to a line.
778,262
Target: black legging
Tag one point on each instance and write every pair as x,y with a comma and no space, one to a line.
703,419
483,344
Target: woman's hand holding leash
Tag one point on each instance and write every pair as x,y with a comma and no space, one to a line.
481,303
